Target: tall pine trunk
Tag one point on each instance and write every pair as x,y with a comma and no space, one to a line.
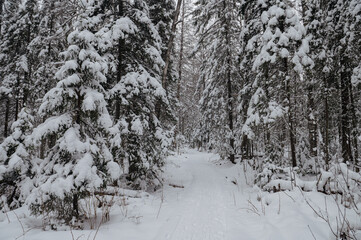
170,44
291,124
180,64
312,124
292,132
326,140
1,13
345,109
230,117
6,119
120,67
180,71
229,94
354,132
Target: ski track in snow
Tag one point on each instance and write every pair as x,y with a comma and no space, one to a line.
201,212
206,208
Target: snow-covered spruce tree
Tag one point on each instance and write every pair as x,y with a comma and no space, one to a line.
78,161
280,62
348,28
312,16
19,27
163,14
16,167
319,86
249,139
341,23
54,24
218,28
137,95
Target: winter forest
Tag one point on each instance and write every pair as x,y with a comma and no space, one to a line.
180,119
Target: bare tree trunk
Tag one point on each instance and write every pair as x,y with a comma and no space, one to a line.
355,132
76,205
170,44
312,125
287,86
345,113
290,114
229,96
326,140
267,128
292,133
230,116
16,108
6,120
1,13
17,97
180,66
120,67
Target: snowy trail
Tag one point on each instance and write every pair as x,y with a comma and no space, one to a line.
212,207
203,209
215,204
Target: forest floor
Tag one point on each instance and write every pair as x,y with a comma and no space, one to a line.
203,198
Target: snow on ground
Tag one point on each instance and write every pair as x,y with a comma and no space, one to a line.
215,204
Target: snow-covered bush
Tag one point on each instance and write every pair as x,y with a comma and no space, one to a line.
16,167
339,180
271,172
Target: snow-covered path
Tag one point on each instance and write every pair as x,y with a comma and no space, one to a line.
215,203
200,211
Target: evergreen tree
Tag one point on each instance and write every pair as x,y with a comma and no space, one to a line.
49,42
16,167
138,94
18,29
250,39
281,58
79,161
218,26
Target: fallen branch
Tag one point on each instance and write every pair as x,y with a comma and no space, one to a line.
114,194
175,186
111,191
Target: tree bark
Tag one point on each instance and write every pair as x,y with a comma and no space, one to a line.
326,140
170,44
75,205
345,113
180,66
287,85
230,117
1,13
312,125
290,114
354,132
6,120
120,67
229,93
